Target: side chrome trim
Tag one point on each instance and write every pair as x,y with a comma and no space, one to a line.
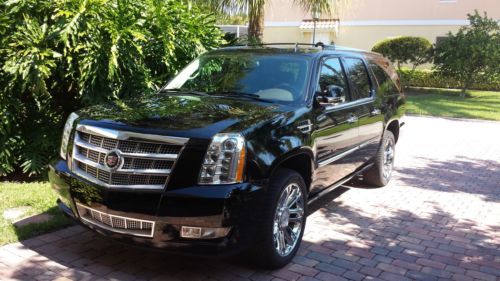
343,154
125,135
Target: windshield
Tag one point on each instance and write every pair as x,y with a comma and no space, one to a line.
273,77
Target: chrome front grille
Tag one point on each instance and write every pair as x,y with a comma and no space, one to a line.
145,161
116,223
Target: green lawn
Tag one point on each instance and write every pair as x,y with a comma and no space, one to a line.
40,198
449,103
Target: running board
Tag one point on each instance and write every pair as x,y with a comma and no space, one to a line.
338,184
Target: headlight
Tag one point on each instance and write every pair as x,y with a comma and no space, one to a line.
66,133
224,160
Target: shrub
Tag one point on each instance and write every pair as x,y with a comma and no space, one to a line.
56,56
433,79
406,49
472,55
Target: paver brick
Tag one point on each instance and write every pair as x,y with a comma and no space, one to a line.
391,268
393,277
304,270
460,277
417,275
431,263
320,257
325,276
330,268
481,275
406,265
353,275
370,271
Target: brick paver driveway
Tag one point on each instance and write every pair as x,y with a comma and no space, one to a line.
438,219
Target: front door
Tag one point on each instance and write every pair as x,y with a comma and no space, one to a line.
336,128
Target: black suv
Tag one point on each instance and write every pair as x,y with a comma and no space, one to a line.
229,154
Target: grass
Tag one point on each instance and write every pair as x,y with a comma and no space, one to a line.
449,103
40,198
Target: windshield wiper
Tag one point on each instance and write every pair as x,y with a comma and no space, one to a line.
240,94
184,92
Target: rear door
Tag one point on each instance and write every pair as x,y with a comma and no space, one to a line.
367,109
336,130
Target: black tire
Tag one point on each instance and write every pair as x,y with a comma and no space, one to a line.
375,175
265,253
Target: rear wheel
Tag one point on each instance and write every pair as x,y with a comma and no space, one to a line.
283,220
380,173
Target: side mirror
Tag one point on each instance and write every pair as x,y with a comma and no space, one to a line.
331,96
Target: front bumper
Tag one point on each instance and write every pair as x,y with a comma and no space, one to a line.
227,206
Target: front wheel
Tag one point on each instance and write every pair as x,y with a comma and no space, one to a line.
283,220
380,173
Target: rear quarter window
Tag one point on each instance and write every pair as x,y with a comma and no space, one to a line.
386,75
357,73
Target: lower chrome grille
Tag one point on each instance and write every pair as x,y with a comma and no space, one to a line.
116,223
143,161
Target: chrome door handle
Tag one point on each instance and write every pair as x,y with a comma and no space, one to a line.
375,112
352,119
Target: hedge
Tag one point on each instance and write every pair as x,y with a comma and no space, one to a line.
431,79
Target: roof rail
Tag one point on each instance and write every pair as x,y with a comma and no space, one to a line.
296,45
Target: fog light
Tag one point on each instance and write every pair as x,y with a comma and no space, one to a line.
204,232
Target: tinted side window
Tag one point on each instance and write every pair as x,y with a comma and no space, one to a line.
332,75
385,82
379,73
356,71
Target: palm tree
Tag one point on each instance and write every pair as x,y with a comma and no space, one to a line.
255,10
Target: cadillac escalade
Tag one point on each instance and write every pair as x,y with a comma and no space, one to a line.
227,157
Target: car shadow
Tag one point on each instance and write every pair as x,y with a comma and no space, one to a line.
463,174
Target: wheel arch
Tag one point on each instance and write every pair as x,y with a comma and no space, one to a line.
393,127
299,160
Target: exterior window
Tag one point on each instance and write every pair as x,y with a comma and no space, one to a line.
385,83
332,77
356,71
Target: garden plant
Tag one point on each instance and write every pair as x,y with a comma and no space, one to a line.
56,56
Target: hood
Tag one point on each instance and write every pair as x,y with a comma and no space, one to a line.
181,115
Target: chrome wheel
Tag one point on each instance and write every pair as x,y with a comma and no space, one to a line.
388,159
288,219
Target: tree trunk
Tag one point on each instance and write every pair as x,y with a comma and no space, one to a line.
255,21
465,86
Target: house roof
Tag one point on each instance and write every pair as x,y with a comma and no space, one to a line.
320,24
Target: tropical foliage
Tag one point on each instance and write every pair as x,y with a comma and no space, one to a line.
59,55
472,55
255,11
405,50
